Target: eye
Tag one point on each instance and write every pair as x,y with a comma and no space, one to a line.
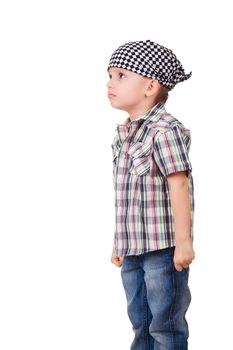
120,74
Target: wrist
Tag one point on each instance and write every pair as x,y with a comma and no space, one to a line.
182,239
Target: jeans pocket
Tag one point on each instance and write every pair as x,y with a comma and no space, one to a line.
187,274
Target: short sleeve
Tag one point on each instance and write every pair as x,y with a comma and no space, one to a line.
171,151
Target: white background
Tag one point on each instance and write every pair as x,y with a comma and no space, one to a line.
58,288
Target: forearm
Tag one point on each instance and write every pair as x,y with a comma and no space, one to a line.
180,202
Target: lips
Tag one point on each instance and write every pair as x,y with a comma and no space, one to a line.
111,95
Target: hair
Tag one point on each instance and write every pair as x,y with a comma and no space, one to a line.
162,95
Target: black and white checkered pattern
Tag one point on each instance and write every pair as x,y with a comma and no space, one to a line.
151,60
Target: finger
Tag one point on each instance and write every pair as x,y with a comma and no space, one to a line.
178,268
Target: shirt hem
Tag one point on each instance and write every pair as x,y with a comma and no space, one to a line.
142,251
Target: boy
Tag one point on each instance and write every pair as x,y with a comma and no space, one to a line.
154,195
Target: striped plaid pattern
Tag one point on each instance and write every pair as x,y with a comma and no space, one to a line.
145,151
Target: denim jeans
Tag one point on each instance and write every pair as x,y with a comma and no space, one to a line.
158,297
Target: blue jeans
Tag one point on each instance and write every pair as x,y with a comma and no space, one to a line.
158,297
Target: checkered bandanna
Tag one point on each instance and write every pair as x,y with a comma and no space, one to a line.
151,60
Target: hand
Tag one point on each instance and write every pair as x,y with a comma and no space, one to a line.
116,260
183,255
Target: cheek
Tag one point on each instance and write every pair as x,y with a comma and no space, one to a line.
134,92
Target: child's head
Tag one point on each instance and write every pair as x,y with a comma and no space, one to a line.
130,89
142,73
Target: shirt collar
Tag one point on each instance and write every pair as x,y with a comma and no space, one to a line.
153,114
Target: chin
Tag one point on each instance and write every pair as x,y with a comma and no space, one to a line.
117,105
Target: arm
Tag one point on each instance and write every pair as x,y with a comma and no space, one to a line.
179,194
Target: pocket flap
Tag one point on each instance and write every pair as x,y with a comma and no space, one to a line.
139,149
115,150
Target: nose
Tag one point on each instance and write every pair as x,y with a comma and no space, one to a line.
109,84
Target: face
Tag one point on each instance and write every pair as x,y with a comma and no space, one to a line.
126,89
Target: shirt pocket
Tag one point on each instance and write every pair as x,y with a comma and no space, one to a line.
140,155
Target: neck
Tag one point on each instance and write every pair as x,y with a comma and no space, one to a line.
138,111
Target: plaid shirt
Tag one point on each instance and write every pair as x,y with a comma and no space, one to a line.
145,151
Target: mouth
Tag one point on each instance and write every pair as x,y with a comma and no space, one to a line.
111,95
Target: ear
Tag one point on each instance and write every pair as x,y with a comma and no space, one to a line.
152,87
